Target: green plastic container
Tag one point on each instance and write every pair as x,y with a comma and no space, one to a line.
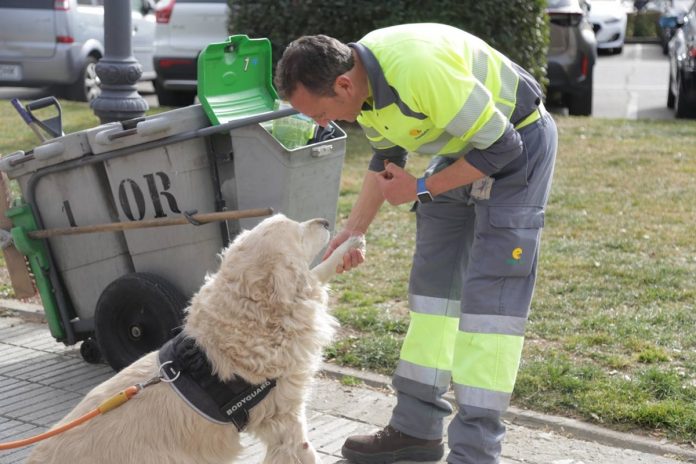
235,79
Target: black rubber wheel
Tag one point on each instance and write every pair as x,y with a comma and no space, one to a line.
580,104
136,313
683,107
86,88
670,95
89,349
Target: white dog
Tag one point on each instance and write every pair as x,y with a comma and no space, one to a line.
261,317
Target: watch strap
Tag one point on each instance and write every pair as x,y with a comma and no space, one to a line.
422,191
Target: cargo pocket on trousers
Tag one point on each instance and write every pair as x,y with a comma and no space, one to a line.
507,240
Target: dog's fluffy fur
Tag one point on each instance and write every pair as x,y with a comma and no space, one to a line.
263,315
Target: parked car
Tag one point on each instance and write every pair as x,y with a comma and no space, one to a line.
571,57
58,43
184,28
671,19
608,19
681,94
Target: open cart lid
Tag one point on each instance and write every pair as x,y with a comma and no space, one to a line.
234,79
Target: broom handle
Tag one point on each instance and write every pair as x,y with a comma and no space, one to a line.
116,226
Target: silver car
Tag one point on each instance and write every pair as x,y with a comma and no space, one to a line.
58,43
184,28
571,57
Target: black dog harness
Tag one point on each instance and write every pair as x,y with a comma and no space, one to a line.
188,370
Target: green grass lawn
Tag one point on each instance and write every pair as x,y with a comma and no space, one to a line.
611,337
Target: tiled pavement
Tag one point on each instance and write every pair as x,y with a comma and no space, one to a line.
41,380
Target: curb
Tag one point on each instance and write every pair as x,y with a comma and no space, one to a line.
642,40
30,312
562,425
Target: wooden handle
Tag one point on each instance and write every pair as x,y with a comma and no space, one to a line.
179,220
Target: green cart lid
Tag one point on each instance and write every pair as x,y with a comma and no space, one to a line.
234,79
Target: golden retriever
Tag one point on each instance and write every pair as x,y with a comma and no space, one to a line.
262,316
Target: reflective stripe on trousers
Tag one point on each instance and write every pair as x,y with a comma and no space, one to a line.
471,285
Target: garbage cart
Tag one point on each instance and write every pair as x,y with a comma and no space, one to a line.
121,222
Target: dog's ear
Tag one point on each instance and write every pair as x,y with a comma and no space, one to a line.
279,280
289,282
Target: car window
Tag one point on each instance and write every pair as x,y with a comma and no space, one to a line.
29,4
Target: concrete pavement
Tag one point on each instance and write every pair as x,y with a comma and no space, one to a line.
41,380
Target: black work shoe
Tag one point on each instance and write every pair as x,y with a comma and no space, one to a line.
390,445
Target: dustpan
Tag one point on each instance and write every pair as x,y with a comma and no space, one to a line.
234,79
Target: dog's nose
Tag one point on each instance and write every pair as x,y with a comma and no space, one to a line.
324,223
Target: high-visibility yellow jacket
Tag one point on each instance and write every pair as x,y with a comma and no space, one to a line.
438,90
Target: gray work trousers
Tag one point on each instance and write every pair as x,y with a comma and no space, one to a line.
462,256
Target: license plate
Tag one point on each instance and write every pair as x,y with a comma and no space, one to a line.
10,72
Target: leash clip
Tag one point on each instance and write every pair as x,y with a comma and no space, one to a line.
163,377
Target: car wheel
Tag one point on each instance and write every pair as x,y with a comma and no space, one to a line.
173,98
135,314
86,88
670,94
580,104
683,107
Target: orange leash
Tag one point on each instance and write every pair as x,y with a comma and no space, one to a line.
112,403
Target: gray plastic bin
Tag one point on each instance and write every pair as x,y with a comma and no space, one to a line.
303,183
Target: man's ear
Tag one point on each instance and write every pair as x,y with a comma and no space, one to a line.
343,85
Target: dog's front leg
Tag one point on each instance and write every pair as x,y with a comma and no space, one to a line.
327,268
287,443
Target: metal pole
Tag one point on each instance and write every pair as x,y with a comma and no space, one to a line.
118,70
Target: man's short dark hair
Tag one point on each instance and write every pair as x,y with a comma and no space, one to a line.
315,61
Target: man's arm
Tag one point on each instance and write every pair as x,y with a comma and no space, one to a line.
398,186
361,216
457,174
366,206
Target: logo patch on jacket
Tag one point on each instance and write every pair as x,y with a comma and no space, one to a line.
417,133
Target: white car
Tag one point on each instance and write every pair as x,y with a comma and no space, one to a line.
184,28
608,19
58,43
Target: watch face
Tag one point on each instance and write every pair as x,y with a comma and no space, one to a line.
425,197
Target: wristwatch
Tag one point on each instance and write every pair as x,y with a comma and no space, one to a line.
424,195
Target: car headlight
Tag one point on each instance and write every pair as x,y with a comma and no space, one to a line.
613,20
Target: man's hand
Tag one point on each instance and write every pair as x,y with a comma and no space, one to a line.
397,185
336,259
353,258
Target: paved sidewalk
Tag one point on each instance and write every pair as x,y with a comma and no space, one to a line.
41,380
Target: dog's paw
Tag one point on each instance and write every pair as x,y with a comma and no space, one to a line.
306,454
356,242
331,265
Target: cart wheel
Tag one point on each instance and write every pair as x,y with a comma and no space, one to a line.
136,313
89,349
